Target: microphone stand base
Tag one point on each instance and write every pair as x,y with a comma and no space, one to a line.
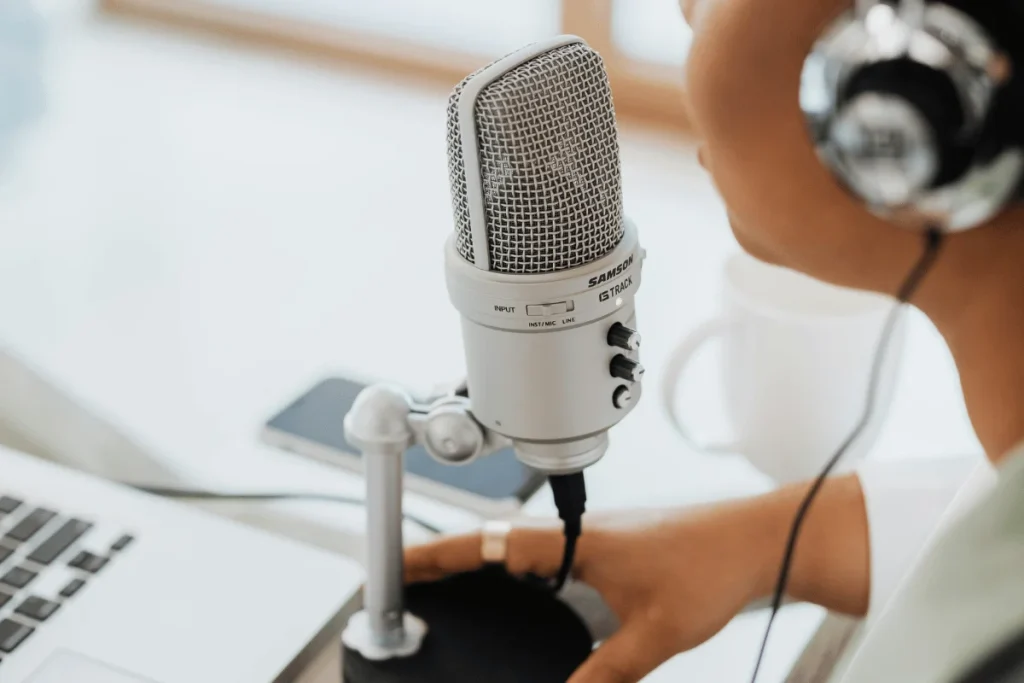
358,636
482,626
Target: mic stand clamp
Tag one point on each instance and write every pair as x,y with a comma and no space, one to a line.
383,423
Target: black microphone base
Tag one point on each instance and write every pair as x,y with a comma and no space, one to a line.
483,627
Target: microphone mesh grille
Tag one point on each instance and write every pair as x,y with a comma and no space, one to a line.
549,164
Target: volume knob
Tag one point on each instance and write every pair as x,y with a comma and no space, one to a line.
624,338
626,368
622,397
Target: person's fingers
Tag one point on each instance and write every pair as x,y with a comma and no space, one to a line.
529,550
536,551
626,657
443,557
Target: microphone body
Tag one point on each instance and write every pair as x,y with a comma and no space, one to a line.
538,359
543,266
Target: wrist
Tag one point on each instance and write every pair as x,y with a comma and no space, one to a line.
830,564
773,517
765,523
746,538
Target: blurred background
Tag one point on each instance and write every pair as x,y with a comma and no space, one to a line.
644,43
206,206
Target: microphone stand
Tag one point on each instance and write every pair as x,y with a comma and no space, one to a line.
383,423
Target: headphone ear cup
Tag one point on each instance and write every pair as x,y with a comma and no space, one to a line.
920,136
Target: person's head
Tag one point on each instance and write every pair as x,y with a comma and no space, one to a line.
785,207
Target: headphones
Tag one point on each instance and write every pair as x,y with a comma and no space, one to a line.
917,107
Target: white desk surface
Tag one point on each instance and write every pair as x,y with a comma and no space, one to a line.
195,233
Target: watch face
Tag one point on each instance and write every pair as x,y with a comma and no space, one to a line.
1003,665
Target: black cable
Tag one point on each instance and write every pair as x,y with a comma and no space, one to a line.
570,492
568,559
324,497
932,245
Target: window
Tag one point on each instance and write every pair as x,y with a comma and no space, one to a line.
650,31
643,42
448,24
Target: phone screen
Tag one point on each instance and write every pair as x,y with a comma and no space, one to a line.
317,416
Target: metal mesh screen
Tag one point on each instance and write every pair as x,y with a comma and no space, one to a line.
549,164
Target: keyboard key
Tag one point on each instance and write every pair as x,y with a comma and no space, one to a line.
30,526
88,562
8,504
5,553
4,598
53,578
19,577
61,540
13,634
122,543
72,588
37,608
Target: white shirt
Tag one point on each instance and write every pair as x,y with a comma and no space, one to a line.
963,600
910,504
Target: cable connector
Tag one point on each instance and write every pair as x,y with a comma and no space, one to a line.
570,492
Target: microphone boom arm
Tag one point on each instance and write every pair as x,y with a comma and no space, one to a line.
383,423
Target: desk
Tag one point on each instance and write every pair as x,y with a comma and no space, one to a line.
195,233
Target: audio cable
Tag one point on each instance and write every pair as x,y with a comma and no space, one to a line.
570,493
933,239
195,494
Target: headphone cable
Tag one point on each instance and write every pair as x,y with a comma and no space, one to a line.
933,239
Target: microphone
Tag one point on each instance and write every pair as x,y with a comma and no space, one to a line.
543,266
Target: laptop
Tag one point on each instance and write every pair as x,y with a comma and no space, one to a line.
102,584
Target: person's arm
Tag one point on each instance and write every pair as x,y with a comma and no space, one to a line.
831,563
674,578
862,534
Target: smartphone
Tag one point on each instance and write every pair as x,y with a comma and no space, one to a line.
494,485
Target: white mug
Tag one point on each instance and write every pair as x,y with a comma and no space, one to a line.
795,369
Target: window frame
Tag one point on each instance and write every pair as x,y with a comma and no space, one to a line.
645,92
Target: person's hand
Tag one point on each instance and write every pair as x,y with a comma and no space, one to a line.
673,579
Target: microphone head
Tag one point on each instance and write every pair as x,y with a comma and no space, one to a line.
533,161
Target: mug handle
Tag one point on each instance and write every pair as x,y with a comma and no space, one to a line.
677,364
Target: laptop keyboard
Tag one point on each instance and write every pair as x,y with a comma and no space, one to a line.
46,559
